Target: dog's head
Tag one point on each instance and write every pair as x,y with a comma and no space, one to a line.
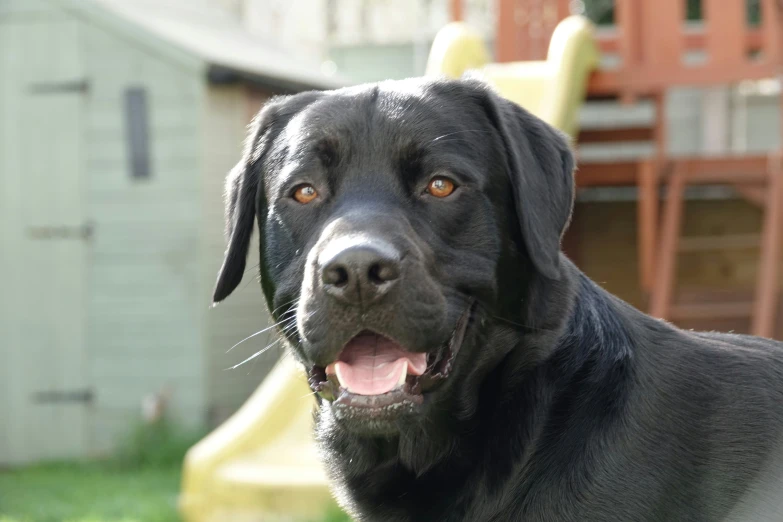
397,221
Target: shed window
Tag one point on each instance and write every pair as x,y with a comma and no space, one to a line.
137,131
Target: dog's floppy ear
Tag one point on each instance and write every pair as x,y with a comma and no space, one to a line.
242,191
541,166
244,186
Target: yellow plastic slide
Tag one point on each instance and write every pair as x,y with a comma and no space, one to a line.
552,89
262,464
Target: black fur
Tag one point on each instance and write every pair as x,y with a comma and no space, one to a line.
564,403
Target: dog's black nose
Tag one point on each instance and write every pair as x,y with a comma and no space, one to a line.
360,272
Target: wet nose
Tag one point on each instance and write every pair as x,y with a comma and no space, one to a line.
361,272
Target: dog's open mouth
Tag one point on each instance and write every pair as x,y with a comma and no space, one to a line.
374,372
371,364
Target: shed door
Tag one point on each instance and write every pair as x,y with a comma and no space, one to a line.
44,172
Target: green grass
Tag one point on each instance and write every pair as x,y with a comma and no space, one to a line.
140,484
99,492
89,493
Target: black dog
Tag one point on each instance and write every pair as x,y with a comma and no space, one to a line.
467,371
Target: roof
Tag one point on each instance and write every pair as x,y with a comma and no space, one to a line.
232,52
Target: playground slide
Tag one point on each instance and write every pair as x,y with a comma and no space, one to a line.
552,89
262,464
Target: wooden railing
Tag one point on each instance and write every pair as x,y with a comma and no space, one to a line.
651,39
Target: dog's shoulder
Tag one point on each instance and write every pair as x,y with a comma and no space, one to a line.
742,360
742,343
740,353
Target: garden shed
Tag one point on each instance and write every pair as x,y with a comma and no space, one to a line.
118,122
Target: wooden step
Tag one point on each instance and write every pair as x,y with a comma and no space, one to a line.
680,312
728,242
616,134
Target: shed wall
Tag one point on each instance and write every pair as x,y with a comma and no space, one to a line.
42,323
229,111
145,332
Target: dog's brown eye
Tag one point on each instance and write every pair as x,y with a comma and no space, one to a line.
305,194
440,187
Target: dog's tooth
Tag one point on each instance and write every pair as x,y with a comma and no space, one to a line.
403,375
338,374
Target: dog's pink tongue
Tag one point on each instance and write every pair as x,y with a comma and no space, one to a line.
372,365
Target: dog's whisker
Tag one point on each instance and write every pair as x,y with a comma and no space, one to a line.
248,282
255,361
520,325
252,268
257,354
287,315
481,131
254,335
461,297
451,140
292,304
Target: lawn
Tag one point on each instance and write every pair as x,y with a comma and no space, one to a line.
89,493
94,493
140,484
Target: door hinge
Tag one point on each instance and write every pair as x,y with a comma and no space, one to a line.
76,86
84,231
85,396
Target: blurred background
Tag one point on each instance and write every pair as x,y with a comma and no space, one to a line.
120,118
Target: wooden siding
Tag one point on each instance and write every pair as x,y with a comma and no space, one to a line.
229,110
683,110
156,244
24,8
145,332
9,212
757,127
44,367
10,227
